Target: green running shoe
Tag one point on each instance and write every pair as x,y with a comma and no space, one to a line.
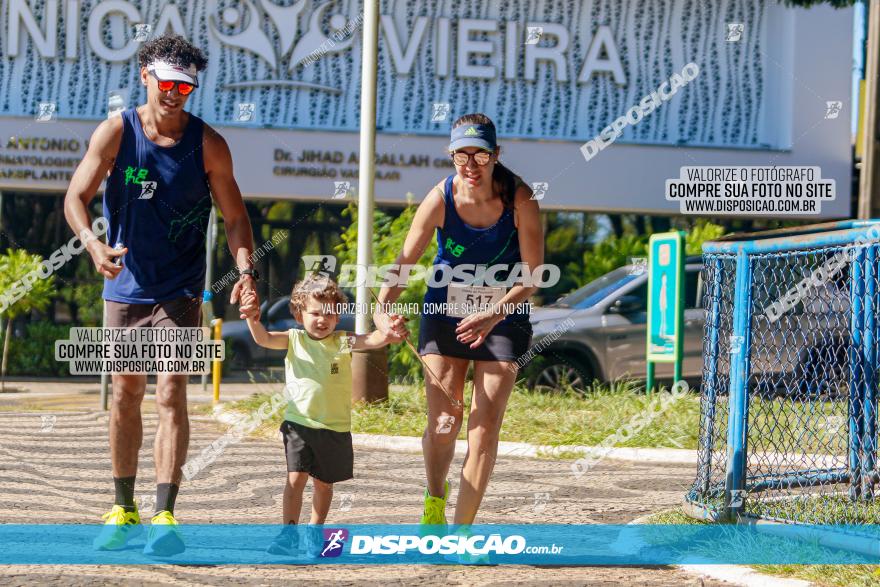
119,527
435,508
164,538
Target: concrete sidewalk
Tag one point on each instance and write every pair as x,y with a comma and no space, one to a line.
89,390
58,469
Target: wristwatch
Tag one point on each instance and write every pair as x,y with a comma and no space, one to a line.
255,275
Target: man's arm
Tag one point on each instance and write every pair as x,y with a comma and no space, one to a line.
218,166
103,147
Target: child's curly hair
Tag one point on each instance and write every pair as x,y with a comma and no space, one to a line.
317,286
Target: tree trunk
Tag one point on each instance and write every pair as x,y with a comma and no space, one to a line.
661,223
641,227
296,246
616,224
5,355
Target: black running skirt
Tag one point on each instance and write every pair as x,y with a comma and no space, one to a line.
508,341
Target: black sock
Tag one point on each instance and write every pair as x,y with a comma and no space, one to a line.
124,492
166,495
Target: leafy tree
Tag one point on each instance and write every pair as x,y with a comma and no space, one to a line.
82,293
388,236
701,232
565,238
609,254
14,266
34,353
616,251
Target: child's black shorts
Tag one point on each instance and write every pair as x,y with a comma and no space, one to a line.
324,454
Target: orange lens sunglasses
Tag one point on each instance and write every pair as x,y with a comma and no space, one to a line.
183,88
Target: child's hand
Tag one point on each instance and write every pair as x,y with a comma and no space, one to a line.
391,324
250,309
399,333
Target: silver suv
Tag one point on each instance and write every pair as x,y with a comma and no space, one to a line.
607,339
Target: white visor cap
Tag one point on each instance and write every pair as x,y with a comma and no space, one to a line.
169,72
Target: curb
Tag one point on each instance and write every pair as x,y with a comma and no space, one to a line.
741,576
524,449
513,449
737,574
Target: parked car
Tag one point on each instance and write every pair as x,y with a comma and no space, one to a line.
275,315
607,339
805,352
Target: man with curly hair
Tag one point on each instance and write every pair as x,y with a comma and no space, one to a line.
163,165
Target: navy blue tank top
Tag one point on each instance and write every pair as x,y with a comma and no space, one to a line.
157,202
459,243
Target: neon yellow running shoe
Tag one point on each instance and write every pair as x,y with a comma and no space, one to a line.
164,538
435,507
119,527
464,532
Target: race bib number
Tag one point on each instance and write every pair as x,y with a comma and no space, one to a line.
464,300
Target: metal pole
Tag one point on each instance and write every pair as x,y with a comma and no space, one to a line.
369,368
679,311
856,374
869,407
737,422
367,175
217,369
208,295
869,111
711,380
105,377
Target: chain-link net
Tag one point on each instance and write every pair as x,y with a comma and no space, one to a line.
811,354
719,274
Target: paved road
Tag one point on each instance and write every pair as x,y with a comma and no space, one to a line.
54,466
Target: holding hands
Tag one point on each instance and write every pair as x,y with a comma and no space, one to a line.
244,290
250,305
390,329
395,334
391,325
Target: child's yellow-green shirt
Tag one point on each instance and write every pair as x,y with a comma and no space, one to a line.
318,378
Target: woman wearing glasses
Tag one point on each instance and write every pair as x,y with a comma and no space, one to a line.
483,215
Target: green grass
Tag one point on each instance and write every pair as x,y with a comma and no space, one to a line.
534,417
843,575
570,418
818,509
816,426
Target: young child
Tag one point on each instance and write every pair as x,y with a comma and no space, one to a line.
317,421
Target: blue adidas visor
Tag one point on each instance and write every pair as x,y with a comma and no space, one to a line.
472,135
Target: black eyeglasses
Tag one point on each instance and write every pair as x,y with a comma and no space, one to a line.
481,158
